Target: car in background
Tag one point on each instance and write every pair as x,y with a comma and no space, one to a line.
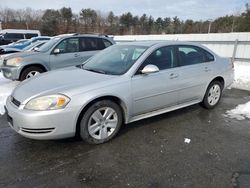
17,42
5,52
61,51
32,46
8,36
124,83
26,42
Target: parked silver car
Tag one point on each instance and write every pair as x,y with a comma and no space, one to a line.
61,51
122,84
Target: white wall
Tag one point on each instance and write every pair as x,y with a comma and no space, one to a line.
222,43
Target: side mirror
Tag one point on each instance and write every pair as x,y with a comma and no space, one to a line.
150,69
36,49
56,51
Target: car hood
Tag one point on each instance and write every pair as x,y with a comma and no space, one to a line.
12,49
63,81
22,54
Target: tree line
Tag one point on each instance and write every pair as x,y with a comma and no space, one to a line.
53,22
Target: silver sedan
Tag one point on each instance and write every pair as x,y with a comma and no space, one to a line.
121,84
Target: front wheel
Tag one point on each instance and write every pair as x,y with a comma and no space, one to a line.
213,95
30,72
101,122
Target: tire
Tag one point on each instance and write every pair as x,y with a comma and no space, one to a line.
213,95
30,70
95,128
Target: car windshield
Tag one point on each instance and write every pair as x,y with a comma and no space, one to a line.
33,45
115,60
48,45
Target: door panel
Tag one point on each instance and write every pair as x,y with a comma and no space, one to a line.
195,73
69,54
193,81
85,55
64,60
155,91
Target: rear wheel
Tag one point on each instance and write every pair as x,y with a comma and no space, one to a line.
30,72
213,95
101,122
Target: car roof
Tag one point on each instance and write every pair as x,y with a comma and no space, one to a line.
40,37
22,31
164,42
81,35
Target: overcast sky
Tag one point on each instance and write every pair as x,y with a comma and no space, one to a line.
185,9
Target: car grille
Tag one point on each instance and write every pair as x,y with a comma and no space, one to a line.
37,131
15,102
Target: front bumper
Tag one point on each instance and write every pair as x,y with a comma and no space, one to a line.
10,72
1,63
41,125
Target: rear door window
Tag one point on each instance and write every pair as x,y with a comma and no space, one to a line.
103,43
88,44
209,56
190,55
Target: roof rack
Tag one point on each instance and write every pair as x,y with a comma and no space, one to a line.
98,34
77,34
67,34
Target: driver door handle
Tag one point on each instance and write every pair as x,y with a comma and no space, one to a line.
207,69
173,76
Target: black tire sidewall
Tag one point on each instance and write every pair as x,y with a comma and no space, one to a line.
26,71
84,133
205,100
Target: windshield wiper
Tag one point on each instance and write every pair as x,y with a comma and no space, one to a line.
94,70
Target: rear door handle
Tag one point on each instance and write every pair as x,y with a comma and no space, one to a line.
76,55
207,69
173,76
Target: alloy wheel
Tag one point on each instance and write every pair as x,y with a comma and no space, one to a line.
102,123
32,73
214,94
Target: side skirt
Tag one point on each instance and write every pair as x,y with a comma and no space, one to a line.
162,111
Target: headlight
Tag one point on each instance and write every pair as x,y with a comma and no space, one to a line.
14,61
50,102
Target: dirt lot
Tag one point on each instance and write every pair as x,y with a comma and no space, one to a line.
148,153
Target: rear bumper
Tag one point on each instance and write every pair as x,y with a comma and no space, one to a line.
41,125
229,78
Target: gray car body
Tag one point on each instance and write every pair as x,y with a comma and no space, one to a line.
140,96
27,49
47,60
